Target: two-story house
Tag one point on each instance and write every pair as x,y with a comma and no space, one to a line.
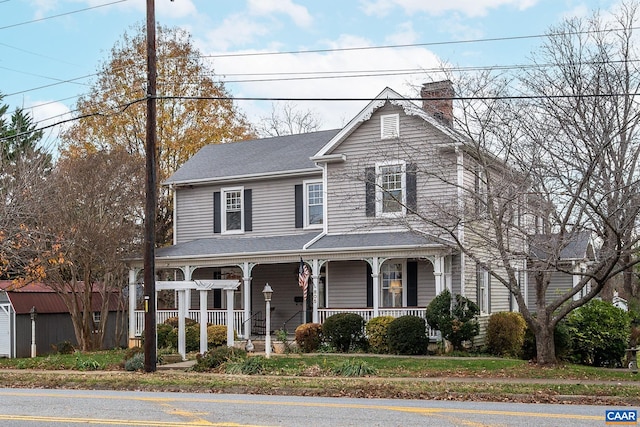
349,202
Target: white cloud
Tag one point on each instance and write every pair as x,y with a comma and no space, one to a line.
298,14
405,34
235,30
331,114
469,8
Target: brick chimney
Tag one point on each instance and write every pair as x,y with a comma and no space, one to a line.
437,100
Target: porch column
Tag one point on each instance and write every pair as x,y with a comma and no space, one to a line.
182,312
246,294
437,273
132,308
230,319
203,320
316,276
375,274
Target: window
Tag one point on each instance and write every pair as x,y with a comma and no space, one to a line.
483,288
232,215
392,285
391,193
389,126
314,204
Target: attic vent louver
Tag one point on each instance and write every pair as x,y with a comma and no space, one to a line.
389,126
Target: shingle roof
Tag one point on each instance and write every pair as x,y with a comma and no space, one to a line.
234,245
258,156
570,246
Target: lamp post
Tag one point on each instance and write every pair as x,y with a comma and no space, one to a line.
34,314
267,292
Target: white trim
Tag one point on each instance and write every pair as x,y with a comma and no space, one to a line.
223,209
246,177
379,190
305,207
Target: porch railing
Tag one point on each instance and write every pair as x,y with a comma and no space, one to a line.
214,317
219,317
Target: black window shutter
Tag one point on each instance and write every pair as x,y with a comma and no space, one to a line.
369,286
412,193
370,191
217,298
412,284
298,205
217,223
488,293
248,212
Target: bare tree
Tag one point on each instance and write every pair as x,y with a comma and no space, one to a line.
94,225
287,119
552,169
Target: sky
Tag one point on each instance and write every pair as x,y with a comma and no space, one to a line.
50,50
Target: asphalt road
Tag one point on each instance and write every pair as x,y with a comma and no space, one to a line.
40,407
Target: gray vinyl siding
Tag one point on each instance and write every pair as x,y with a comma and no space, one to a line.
419,143
284,281
426,283
273,208
347,284
560,283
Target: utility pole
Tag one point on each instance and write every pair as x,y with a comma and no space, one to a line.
150,356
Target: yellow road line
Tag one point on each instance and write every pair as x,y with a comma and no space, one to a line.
410,409
149,423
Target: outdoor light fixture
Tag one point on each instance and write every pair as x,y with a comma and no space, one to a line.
267,292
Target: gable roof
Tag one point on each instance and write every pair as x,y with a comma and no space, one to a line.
574,246
393,97
267,156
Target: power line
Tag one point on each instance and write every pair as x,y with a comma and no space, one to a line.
61,14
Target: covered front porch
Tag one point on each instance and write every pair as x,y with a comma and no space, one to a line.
383,274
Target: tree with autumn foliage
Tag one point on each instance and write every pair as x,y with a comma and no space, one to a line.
193,109
95,225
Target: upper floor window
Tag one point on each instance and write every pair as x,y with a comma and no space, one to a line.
391,188
314,204
232,212
389,126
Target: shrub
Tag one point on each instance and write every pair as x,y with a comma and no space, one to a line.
505,334
173,322
135,363
599,333
458,323
214,358
309,337
164,331
408,335
561,341
192,337
344,331
64,347
132,351
377,333
216,335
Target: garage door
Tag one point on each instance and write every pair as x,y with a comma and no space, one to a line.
5,330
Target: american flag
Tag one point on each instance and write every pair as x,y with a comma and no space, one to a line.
303,277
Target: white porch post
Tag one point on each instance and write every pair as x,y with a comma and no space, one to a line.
182,312
230,319
246,293
375,273
437,272
315,277
132,308
203,320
